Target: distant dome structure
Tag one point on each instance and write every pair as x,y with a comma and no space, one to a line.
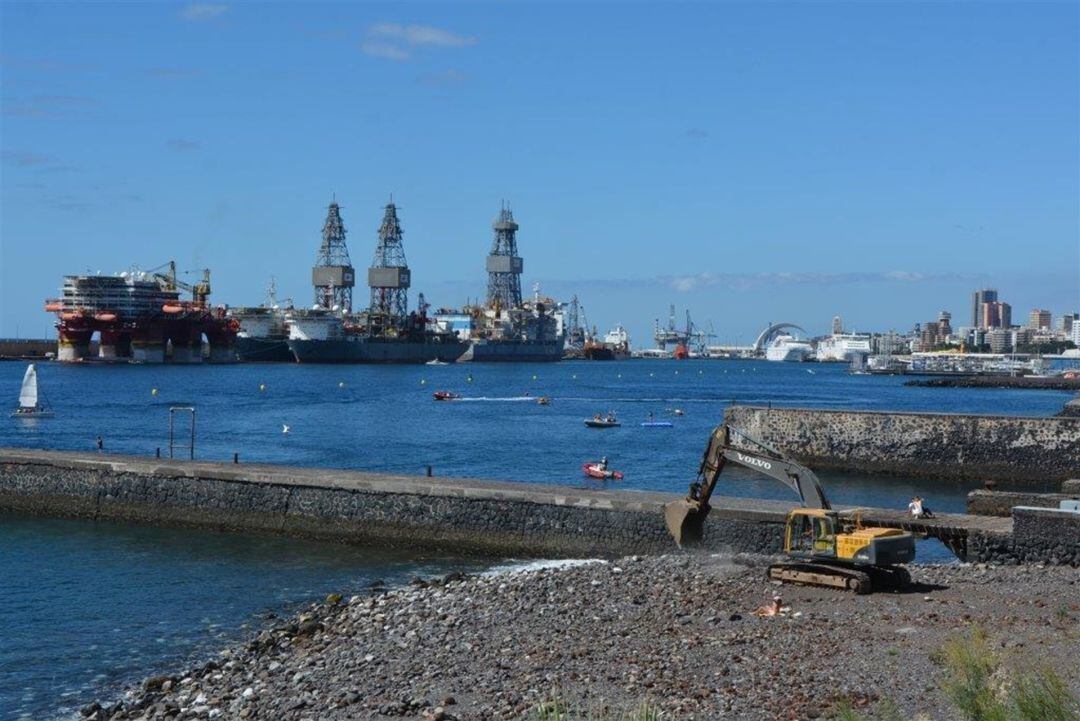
771,332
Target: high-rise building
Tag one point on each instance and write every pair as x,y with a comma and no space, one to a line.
944,320
978,298
996,314
1039,319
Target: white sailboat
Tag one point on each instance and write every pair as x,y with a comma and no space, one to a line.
29,406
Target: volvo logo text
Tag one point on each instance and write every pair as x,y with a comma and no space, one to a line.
751,461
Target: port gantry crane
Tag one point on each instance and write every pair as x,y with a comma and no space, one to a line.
823,547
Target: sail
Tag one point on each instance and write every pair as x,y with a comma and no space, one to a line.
28,394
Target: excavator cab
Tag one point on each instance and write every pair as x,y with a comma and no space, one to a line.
811,533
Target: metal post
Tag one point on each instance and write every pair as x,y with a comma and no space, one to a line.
236,458
159,452
191,446
429,471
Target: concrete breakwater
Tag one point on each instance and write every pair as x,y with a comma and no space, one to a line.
462,515
459,515
1035,451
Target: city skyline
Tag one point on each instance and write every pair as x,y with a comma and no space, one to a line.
782,162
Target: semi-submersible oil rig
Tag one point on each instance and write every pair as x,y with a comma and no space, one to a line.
140,317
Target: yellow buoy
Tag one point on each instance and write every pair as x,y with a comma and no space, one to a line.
262,386
153,391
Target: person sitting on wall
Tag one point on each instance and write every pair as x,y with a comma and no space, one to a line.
915,508
926,512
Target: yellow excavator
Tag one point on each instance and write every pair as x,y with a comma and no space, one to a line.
823,547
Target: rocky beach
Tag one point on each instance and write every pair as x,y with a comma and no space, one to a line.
675,634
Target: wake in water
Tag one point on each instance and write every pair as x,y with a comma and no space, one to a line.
486,399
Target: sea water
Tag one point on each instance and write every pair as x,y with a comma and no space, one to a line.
89,607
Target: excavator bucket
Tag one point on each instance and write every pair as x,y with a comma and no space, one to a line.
685,521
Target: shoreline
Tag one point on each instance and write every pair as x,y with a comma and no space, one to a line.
673,631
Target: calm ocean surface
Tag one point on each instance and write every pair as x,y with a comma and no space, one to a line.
89,607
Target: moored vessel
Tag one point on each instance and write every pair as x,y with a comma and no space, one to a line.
788,348
615,346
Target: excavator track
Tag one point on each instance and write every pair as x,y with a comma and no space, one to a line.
821,574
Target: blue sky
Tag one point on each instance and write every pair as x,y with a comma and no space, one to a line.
754,162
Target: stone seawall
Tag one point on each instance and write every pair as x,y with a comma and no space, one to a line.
1040,452
462,515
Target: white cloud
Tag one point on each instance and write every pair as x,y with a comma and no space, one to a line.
197,12
394,41
387,51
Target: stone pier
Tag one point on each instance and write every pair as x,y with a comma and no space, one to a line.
451,514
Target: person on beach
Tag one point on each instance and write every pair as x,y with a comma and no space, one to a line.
772,609
926,512
100,443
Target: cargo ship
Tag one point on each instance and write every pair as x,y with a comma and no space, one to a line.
320,335
615,346
139,317
386,332
262,336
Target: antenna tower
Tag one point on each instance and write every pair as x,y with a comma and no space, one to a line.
333,275
388,276
504,265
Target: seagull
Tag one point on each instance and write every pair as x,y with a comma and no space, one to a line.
284,428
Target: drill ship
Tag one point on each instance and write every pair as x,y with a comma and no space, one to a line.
507,328
386,332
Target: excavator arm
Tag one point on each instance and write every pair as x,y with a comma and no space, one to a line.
686,518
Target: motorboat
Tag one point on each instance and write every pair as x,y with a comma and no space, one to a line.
29,405
544,401
445,395
598,421
599,469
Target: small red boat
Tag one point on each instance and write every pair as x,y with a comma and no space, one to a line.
445,395
595,469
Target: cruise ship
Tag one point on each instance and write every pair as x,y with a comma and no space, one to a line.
788,348
842,347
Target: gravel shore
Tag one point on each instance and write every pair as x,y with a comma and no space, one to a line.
674,631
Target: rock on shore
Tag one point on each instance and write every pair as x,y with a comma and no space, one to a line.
675,631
